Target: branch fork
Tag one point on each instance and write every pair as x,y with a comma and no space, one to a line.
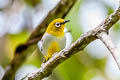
100,32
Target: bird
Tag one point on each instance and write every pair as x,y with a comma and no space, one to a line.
54,39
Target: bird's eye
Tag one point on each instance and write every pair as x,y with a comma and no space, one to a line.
57,24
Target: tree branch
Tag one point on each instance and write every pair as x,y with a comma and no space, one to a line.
60,11
111,47
47,68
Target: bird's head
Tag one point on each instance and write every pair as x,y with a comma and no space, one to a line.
56,27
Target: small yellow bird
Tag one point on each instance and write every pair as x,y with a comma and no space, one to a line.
54,38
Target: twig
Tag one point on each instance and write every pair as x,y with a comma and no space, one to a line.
111,47
60,11
78,45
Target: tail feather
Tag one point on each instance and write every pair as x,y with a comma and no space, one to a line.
46,58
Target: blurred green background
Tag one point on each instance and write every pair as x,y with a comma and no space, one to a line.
19,17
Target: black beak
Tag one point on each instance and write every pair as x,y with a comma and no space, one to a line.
65,21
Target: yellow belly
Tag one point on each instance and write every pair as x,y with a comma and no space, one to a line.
50,44
54,47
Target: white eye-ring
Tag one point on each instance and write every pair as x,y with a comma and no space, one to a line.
57,24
